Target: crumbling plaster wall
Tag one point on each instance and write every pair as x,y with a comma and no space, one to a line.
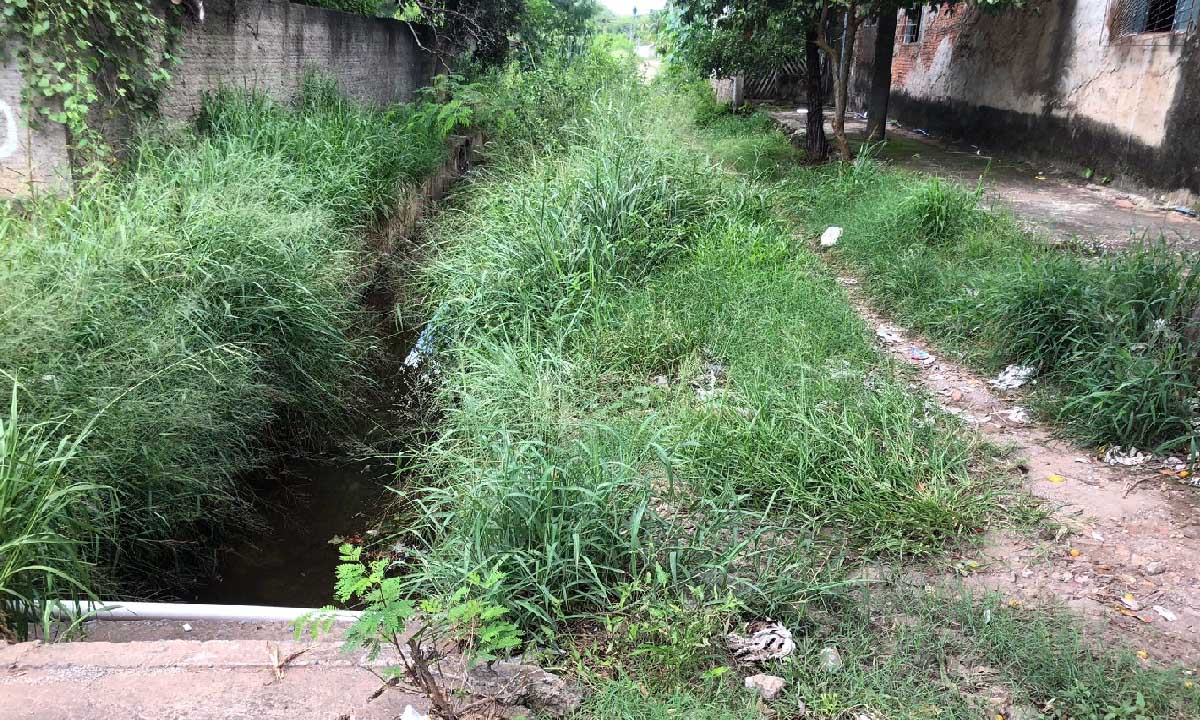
1052,80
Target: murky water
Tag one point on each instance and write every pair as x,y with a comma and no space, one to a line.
312,504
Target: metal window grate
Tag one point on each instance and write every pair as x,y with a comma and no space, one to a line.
1137,17
912,24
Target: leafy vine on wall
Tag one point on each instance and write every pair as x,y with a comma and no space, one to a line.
78,56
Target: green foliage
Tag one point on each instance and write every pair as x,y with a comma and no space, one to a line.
938,212
69,49
656,632
360,7
1108,334
198,297
465,618
43,530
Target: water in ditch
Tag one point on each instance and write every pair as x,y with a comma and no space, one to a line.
312,504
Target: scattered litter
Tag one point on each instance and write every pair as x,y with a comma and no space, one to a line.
848,280
768,686
921,131
1143,655
888,334
1166,614
410,713
1184,210
1133,457
831,235
1081,460
1097,536
1056,479
1017,415
1013,377
921,356
423,350
1073,552
662,381
830,660
1131,603
767,641
187,627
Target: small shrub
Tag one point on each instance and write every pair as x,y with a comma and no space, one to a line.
937,213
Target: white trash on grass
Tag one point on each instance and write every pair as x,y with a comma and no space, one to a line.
1013,377
831,235
1129,458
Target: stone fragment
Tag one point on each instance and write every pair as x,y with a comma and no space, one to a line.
769,687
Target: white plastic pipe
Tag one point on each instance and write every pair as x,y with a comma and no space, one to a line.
190,611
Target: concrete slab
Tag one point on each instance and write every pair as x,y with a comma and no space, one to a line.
189,680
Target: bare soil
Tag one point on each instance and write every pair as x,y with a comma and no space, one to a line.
1128,538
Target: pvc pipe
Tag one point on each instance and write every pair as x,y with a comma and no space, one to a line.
117,610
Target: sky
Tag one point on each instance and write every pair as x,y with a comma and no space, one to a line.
625,7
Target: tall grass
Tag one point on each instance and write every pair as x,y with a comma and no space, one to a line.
560,289
46,526
1108,334
206,296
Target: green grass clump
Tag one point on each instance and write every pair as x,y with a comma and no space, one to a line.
45,526
199,299
1108,334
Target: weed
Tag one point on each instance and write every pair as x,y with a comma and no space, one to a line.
44,529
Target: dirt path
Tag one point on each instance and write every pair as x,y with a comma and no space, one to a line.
1063,206
1130,537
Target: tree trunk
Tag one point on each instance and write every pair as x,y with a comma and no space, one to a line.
816,145
840,62
842,100
881,76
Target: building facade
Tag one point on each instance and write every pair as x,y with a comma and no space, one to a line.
1111,85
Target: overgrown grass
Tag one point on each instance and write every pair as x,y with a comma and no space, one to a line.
1108,333
578,301
660,417
194,303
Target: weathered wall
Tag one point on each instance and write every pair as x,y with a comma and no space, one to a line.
267,45
33,156
1052,80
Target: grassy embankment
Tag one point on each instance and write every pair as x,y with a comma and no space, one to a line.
661,418
163,322
1108,334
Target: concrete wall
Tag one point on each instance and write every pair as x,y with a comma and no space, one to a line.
33,156
267,45
1054,80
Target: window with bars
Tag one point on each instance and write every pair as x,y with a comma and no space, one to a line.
912,24
1135,17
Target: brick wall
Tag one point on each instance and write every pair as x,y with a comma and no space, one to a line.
1051,81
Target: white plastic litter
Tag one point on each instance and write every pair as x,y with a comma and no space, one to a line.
831,235
1017,415
410,713
1130,458
1166,614
1013,377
